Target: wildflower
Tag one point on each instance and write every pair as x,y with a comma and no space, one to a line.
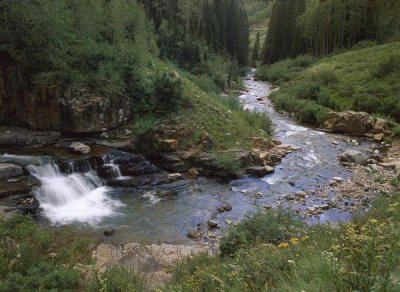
305,237
373,221
291,261
283,245
294,240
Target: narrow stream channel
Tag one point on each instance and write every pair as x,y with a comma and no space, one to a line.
139,215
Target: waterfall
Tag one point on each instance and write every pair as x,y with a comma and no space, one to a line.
72,197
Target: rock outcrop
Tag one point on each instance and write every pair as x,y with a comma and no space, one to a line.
53,106
349,122
357,123
20,137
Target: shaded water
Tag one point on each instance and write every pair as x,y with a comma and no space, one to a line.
138,214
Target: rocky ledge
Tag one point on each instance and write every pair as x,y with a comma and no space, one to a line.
358,123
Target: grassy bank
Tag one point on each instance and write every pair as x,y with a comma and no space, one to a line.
200,107
362,79
275,251
33,258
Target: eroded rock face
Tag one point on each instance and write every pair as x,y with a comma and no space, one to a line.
56,107
349,122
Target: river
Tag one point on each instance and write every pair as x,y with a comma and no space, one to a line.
81,200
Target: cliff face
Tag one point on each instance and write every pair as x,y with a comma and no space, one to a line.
56,107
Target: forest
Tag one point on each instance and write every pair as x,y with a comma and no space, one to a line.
318,28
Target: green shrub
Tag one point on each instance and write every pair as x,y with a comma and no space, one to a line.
304,61
285,70
257,120
227,161
270,227
307,111
324,74
168,91
388,65
396,131
118,279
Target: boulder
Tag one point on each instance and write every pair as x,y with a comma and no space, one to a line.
354,156
380,126
8,170
349,122
259,170
75,147
379,137
212,223
21,137
263,143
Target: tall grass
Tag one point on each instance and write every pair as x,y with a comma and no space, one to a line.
360,255
388,65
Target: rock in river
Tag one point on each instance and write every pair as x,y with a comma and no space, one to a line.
259,170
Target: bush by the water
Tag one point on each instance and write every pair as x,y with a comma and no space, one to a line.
270,227
33,258
285,70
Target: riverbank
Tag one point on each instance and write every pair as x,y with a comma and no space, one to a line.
313,181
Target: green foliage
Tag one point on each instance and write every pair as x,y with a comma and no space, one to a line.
103,44
227,161
360,255
323,27
389,65
24,258
285,70
396,131
270,227
347,81
116,279
307,111
255,120
324,73
168,91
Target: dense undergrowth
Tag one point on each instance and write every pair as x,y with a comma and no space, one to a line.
270,250
362,79
202,108
275,251
33,258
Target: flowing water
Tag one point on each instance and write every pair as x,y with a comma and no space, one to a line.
77,195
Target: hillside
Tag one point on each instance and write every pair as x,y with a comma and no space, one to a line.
362,79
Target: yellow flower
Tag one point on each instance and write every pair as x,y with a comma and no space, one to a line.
283,245
305,237
294,240
373,221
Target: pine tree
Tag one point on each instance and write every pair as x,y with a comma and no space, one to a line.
256,51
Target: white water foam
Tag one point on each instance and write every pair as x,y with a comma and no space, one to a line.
74,197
